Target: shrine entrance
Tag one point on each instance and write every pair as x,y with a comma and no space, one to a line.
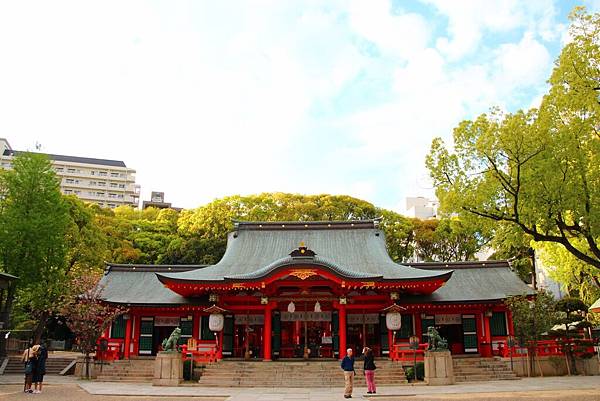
306,339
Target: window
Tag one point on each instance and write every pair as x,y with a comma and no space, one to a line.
112,195
406,330
93,183
113,184
93,172
498,324
117,329
114,174
426,322
101,183
99,193
59,169
205,333
102,173
68,191
71,170
70,181
112,205
77,192
186,326
120,196
121,185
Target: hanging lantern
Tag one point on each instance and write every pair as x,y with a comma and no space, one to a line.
393,318
393,321
216,321
291,307
318,307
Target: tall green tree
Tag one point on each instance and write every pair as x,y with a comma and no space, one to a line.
34,221
447,240
538,170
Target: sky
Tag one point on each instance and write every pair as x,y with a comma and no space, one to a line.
207,99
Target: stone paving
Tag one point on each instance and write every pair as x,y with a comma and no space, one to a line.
578,388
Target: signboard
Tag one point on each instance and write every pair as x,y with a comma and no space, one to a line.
170,321
306,317
327,340
367,318
252,320
454,318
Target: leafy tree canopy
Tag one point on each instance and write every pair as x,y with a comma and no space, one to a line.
538,170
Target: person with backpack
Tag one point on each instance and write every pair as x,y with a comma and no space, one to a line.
29,358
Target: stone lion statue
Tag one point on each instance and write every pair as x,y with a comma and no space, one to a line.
435,341
170,344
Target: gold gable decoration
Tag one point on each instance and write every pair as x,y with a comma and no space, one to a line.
303,274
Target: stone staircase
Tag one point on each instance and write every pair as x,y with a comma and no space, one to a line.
53,365
132,370
481,369
293,374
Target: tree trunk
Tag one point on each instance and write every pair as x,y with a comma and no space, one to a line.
41,326
6,316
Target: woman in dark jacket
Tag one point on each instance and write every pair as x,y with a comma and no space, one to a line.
40,371
369,369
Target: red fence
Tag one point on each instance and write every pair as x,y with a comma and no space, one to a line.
402,352
548,348
199,351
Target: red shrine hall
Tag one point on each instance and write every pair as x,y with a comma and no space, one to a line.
309,290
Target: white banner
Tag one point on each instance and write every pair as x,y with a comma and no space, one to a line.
252,320
448,319
367,318
170,321
306,317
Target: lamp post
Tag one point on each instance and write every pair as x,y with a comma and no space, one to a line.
510,341
414,345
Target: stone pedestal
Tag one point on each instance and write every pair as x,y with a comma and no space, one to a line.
439,370
81,367
168,369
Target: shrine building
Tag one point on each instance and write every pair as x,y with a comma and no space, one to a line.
310,290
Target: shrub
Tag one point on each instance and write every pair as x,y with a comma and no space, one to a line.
410,372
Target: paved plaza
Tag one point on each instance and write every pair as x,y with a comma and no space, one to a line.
579,388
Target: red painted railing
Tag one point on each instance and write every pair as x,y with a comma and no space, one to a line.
547,348
108,349
199,351
403,352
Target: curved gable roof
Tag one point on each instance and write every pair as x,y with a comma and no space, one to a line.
352,249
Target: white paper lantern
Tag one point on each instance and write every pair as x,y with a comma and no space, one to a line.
215,322
393,321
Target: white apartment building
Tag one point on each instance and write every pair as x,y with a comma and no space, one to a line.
109,183
421,207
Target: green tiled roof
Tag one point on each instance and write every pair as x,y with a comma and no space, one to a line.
351,249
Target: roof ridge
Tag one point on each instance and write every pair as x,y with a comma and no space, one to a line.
320,224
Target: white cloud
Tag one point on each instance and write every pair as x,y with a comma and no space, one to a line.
207,99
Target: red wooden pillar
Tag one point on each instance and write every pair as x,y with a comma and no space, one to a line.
127,349
509,319
136,333
220,347
391,345
418,325
487,349
342,330
196,325
267,332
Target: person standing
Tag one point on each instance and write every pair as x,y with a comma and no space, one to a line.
369,369
30,361
40,371
348,368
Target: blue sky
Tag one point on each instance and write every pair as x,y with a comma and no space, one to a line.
207,99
